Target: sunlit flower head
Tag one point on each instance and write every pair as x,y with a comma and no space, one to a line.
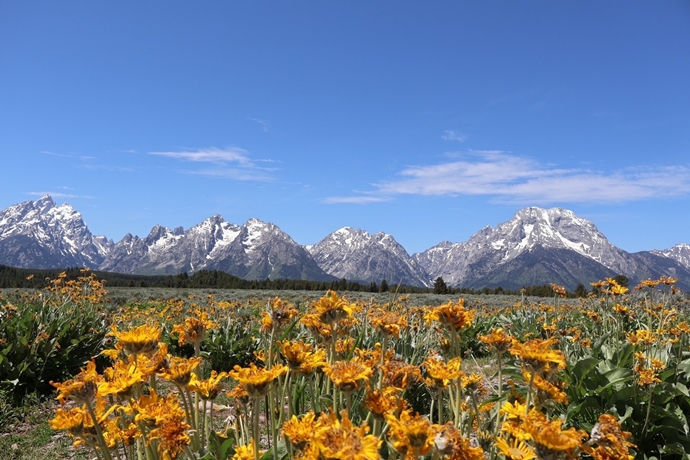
152,410
179,370
497,340
610,437
614,287
121,380
209,388
411,435
257,381
642,337
550,439
537,354
240,395
451,315
545,390
319,329
82,388
340,439
299,430
647,377
173,437
70,420
515,449
398,374
386,401
472,383
387,322
622,310
194,329
142,339
278,315
246,452
79,423
647,284
442,373
332,308
348,375
451,445
558,290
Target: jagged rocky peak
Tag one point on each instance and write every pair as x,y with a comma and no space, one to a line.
358,255
257,230
40,234
530,230
554,228
680,253
347,236
215,227
157,233
45,203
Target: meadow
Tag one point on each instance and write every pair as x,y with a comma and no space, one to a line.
217,374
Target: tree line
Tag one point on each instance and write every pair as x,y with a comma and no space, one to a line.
12,277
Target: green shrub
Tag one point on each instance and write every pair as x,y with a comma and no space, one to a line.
50,335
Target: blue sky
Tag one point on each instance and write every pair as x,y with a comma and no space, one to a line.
426,120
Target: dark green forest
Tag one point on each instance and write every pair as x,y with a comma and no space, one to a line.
11,277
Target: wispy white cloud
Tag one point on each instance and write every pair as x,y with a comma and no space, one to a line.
264,124
58,194
234,173
112,168
363,199
69,155
510,178
212,155
452,135
233,163
133,151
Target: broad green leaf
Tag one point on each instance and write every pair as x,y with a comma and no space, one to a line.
583,367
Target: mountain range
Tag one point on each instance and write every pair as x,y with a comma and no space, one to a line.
537,246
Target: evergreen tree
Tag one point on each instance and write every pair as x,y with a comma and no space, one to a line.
440,286
384,286
581,291
622,280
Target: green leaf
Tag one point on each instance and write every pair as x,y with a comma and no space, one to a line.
221,448
626,415
281,452
616,378
682,388
583,367
684,366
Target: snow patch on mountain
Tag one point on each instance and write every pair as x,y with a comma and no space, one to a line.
57,235
356,254
533,227
680,253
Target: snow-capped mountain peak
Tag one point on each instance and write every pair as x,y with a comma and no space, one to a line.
530,229
554,228
40,233
356,254
535,246
680,253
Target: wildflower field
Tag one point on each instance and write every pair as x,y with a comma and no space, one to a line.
339,377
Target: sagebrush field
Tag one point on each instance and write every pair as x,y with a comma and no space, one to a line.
216,375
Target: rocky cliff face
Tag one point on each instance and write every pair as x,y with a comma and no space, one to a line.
536,246
40,234
509,254
357,255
